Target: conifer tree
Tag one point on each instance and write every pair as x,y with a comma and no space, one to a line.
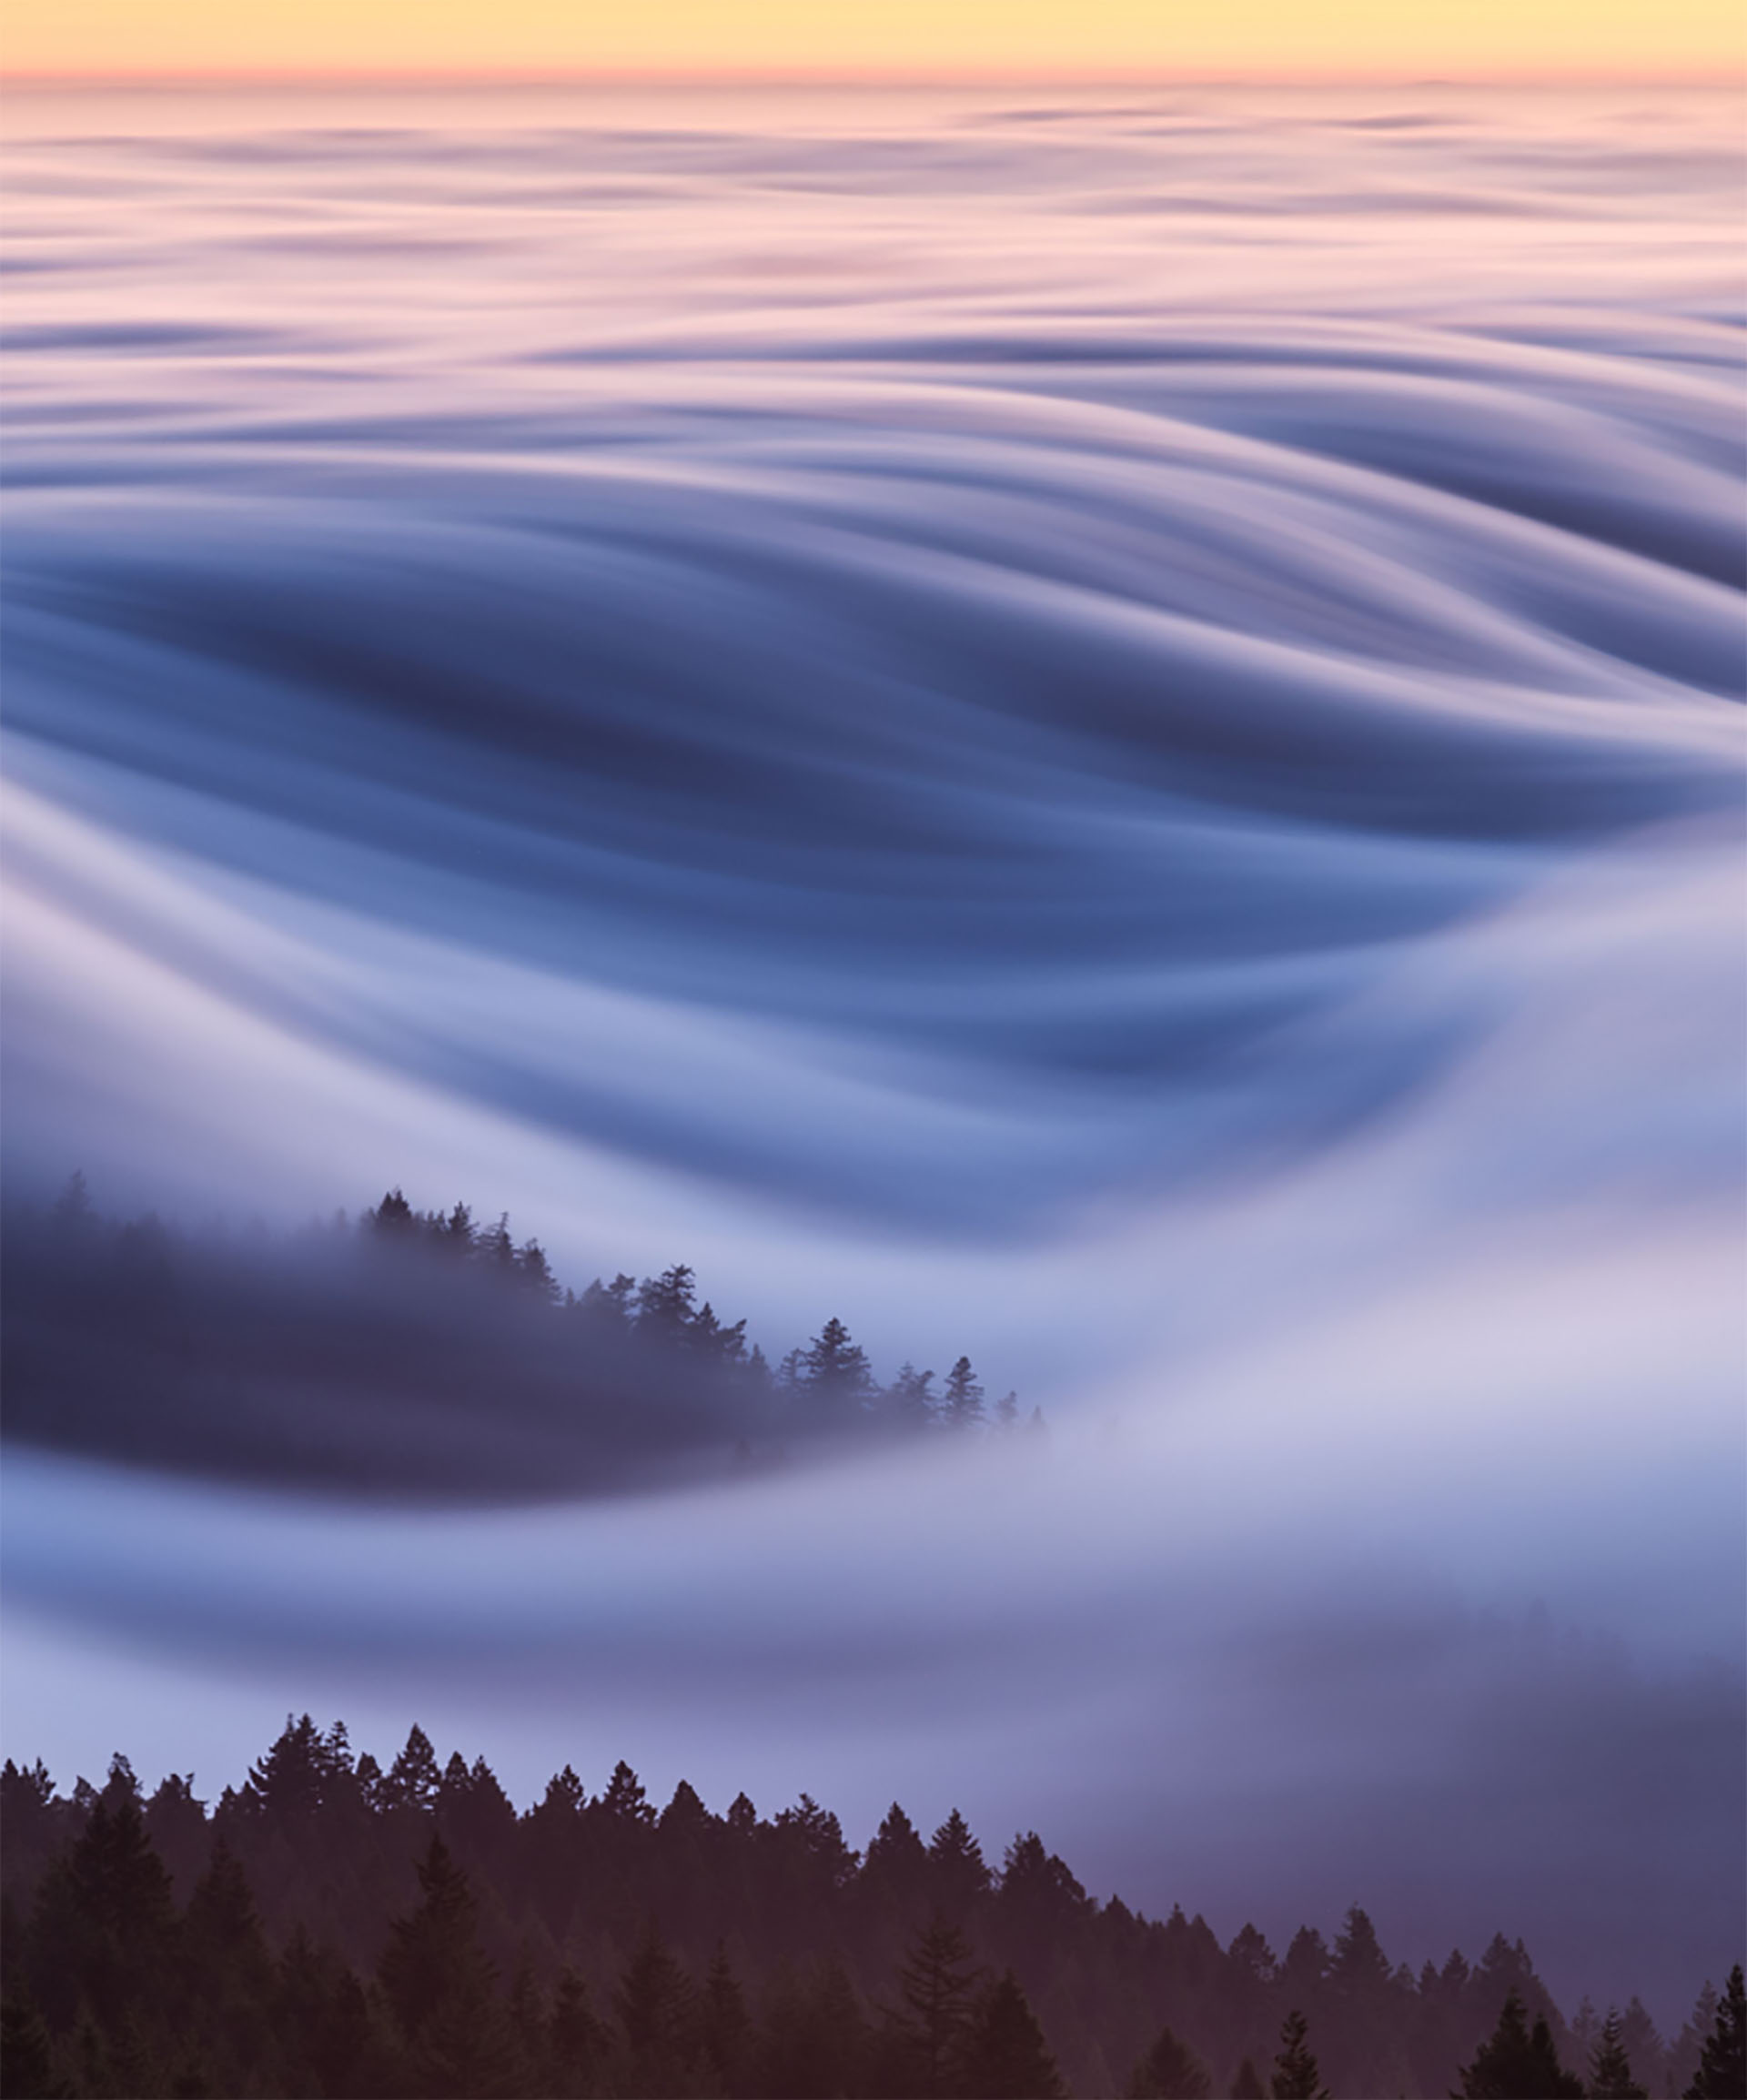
1519,2063
935,1984
724,2025
1610,2076
652,2005
1247,2084
964,1402
1296,2075
1004,2054
415,1779
1722,2063
1170,2070
625,1800
577,2041
441,1988
956,1868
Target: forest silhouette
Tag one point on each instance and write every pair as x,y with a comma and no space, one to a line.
416,1354
329,1927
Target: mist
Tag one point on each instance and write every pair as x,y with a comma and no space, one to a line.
1106,736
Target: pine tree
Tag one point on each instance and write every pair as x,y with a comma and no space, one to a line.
724,2026
935,1984
652,2005
443,1989
956,1868
576,2040
1004,2054
415,1779
1519,2064
1247,2084
625,1800
834,1370
1296,2075
1610,2076
1722,2064
1170,2070
964,1402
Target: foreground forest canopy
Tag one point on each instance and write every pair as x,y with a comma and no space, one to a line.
412,1352
329,1927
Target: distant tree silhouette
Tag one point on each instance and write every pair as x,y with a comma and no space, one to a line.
625,1800
958,1872
936,1984
414,1779
443,1989
724,2025
1004,2055
653,2003
1722,2064
962,1407
577,2042
1610,2076
1519,2062
833,1369
1170,2070
1247,2084
1296,2075
908,1401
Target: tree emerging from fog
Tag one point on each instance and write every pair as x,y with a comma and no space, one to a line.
415,1353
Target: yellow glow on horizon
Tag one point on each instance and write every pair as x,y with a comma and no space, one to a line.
1280,39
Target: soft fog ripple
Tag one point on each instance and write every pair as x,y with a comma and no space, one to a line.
1106,732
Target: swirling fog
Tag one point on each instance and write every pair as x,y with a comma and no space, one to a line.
1102,728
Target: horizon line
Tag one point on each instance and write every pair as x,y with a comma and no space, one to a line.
1732,74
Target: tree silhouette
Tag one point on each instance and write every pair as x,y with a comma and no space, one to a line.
652,2005
441,1988
1296,2075
1519,2063
1610,2076
1247,2084
724,2026
1722,2064
935,1984
834,1370
964,1402
1170,2070
1004,2055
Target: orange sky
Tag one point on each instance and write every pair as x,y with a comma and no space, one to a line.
1277,37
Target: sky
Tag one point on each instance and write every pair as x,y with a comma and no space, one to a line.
1248,37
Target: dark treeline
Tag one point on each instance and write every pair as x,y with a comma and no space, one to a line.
332,1928
412,1353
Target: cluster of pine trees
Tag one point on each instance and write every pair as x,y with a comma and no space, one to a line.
411,1352
330,1927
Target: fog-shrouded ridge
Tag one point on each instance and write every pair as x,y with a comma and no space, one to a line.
418,1354
1099,729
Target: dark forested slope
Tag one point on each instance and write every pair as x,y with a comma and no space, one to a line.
329,1927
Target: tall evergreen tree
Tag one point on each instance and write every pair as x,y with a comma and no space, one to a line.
1296,2075
724,2025
935,1984
443,1989
415,1779
1519,2063
1004,2055
1610,2076
1170,2070
1247,2084
1722,2064
653,2003
962,1407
